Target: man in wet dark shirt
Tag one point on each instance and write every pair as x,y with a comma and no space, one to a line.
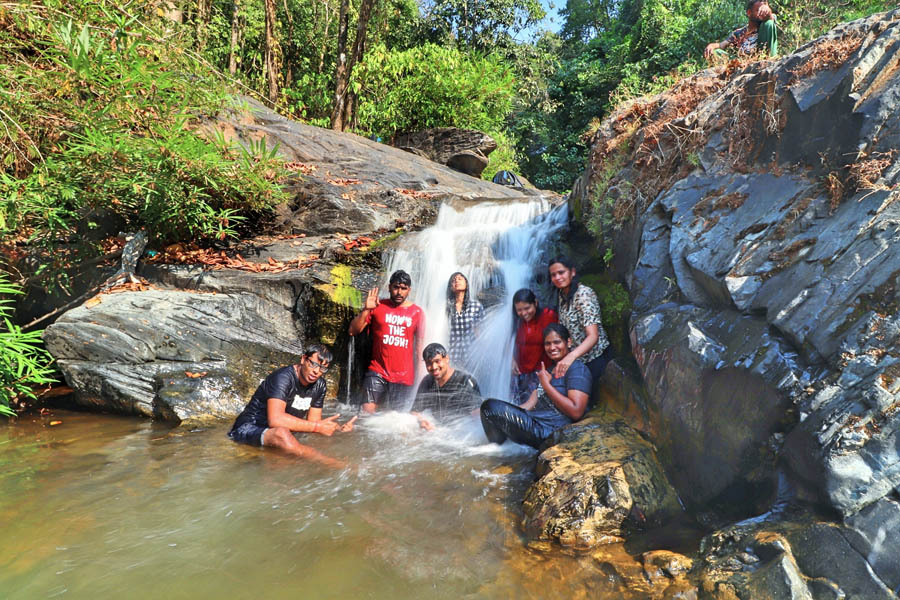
445,391
290,399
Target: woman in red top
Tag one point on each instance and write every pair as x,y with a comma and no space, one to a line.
529,350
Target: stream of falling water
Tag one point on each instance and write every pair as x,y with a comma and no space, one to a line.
499,247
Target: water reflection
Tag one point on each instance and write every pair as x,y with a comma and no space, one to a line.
105,506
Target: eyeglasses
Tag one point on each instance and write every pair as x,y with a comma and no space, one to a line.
315,365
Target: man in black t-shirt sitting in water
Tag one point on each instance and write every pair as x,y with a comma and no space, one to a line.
445,391
288,400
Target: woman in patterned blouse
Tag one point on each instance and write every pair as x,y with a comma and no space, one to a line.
465,314
579,310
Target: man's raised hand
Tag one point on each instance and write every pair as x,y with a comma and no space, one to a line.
372,299
348,426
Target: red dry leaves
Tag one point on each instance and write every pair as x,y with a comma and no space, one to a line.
343,182
415,193
218,259
301,167
362,242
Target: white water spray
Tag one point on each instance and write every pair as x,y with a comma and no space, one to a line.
498,246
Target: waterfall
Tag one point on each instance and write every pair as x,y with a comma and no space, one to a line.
499,246
351,345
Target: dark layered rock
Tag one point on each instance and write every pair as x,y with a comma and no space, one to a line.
195,344
757,290
756,223
464,150
787,559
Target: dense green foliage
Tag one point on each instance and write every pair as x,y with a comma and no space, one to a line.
431,86
101,135
24,364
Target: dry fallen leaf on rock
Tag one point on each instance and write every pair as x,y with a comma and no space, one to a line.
193,375
93,302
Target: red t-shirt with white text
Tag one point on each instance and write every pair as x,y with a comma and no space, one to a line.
394,331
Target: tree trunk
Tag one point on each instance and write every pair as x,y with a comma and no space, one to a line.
204,10
340,71
236,34
341,112
272,52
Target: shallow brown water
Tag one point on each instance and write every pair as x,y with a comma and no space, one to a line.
103,507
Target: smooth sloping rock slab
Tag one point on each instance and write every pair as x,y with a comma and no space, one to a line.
598,474
350,184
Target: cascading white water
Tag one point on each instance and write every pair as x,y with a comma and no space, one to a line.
351,346
498,246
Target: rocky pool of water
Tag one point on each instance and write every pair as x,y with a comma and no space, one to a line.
104,506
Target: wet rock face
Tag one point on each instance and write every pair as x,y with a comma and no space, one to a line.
761,253
721,384
789,559
598,476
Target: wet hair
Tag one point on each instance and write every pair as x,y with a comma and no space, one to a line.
320,349
750,3
451,297
569,264
401,277
432,350
557,328
524,295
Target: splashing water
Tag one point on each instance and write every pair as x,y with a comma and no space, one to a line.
498,246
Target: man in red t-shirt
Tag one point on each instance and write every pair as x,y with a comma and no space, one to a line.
397,328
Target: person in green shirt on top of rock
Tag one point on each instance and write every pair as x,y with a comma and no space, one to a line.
758,36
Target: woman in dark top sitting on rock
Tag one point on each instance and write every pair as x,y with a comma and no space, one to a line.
557,402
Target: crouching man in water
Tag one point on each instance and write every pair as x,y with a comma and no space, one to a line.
290,399
445,391
557,402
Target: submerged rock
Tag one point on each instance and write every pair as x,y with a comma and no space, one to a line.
787,559
598,476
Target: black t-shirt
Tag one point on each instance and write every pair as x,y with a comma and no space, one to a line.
459,395
284,385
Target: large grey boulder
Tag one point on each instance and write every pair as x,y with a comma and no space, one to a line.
464,150
349,184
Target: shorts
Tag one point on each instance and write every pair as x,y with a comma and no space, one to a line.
248,433
385,394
